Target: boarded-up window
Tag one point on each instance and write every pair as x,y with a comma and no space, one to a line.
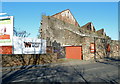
108,47
92,47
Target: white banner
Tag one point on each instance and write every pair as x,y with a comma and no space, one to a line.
28,46
6,31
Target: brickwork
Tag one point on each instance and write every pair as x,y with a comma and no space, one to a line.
6,50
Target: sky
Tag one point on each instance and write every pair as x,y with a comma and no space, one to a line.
60,0
27,15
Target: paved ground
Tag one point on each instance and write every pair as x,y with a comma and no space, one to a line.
71,71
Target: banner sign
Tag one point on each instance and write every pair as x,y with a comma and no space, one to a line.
6,31
28,46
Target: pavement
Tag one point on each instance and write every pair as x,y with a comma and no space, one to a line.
69,71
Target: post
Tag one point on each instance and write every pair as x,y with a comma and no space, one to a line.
41,40
95,50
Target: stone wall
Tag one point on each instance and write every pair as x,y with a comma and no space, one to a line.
57,30
86,49
101,48
66,16
114,48
65,34
31,59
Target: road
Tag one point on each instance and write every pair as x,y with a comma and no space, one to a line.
71,71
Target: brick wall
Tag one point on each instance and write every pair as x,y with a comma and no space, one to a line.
5,49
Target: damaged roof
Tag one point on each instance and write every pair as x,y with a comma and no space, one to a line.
101,31
89,26
66,16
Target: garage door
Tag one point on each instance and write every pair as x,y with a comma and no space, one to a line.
74,52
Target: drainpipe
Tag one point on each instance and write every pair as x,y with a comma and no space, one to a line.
95,50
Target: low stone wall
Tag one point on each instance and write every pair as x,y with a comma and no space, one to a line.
24,59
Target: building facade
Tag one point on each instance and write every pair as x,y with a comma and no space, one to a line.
56,29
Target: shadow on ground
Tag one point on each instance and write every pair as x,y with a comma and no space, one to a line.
110,61
55,74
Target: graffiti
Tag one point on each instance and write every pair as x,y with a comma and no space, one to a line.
27,44
31,44
35,44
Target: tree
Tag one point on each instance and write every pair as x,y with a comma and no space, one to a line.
20,57
20,33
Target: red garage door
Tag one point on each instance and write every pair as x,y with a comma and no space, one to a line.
74,52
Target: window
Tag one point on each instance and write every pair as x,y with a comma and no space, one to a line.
108,47
92,48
